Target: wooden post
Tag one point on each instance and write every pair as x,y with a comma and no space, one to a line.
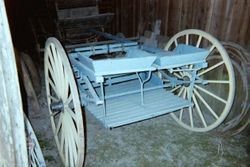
13,150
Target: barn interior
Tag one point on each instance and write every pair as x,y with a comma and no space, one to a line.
159,141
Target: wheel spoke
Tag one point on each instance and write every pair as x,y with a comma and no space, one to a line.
218,81
66,87
55,75
74,132
184,96
59,70
174,89
51,59
211,48
73,138
53,71
62,140
53,98
187,39
182,89
72,145
175,42
59,124
53,87
190,110
177,75
71,113
180,72
66,149
211,94
191,116
205,103
65,82
68,100
199,41
199,111
55,113
211,68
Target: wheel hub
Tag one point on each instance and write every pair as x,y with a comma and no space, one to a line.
57,106
186,78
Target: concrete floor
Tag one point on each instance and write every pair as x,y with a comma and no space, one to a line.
159,142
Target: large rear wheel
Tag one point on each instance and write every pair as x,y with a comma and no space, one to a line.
213,97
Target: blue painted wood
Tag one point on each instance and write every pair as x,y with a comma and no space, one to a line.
128,87
128,109
141,61
137,60
104,49
181,55
83,70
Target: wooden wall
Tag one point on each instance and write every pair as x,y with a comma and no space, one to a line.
228,20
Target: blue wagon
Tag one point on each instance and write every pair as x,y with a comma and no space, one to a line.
121,82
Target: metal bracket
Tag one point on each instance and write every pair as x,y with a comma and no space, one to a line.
142,82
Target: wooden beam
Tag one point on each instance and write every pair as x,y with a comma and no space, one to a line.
13,150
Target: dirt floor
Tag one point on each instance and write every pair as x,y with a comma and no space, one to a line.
158,142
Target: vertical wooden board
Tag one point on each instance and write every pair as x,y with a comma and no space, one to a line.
213,17
243,38
202,14
227,19
186,15
6,140
134,21
10,90
165,15
239,20
161,10
123,8
209,16
174,16
139,18
130,19
195,12
220,18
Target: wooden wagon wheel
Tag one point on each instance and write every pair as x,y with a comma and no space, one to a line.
35,156
237,118
64,104
213,100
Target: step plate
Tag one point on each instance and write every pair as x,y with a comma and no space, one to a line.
128,109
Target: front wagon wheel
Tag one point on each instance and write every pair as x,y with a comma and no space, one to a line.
64,104
213,100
